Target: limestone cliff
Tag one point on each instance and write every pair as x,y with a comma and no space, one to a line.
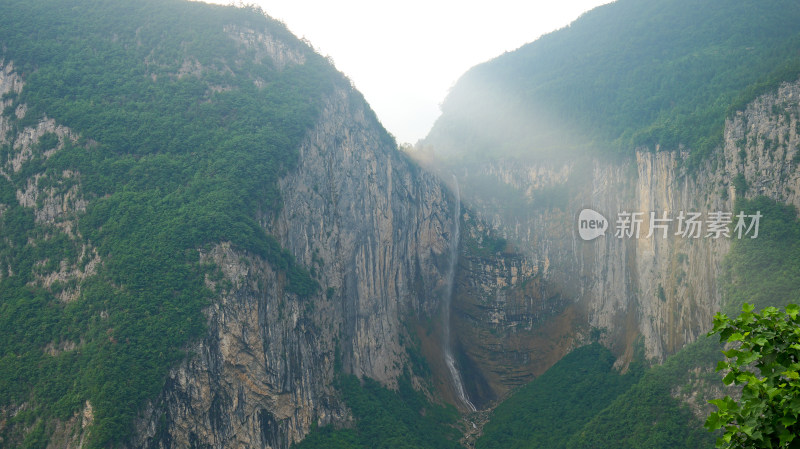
662,289
376,233
373,229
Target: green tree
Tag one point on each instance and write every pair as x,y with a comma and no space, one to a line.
764,359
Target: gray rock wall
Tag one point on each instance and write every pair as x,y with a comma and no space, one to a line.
373,229
664,290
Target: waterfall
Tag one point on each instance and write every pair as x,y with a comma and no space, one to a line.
458,384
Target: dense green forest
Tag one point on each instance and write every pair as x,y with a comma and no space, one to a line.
384,418
580,402
172,160
559,402
642,411
764,271
628,74
583,402
648,415
168,164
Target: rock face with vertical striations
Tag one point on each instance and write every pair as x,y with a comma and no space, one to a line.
665,290
369,230
374,230
204,223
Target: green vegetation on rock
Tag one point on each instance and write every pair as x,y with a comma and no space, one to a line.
582,402
763,357
384,418
764,271
649,415
558,403
183,135
628,74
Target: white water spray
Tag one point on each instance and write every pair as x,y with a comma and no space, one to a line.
448,299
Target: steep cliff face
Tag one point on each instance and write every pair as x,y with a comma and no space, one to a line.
260,375
55,201
761,143
628,286
508,324
373,225
662,289
374,230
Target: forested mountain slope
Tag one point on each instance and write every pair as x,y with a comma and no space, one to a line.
207,239
202,224
646,107
628,74
126,146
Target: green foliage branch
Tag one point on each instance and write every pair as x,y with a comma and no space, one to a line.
765,361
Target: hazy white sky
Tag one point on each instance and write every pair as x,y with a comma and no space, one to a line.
405,55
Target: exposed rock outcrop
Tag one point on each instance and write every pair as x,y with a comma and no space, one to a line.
56,200
373,230
662,289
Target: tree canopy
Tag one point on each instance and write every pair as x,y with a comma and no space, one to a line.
633,73
182,134
763,358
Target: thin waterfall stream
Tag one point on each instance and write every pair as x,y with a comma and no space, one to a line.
458,383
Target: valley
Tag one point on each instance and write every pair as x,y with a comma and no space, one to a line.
209,240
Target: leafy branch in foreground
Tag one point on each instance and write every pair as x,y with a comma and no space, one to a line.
765,361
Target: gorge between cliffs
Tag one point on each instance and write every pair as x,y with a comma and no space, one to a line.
209,240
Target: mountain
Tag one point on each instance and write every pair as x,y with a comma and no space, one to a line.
207,239
638,107
204,226
625,75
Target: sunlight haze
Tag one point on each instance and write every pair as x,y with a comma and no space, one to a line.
404,56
